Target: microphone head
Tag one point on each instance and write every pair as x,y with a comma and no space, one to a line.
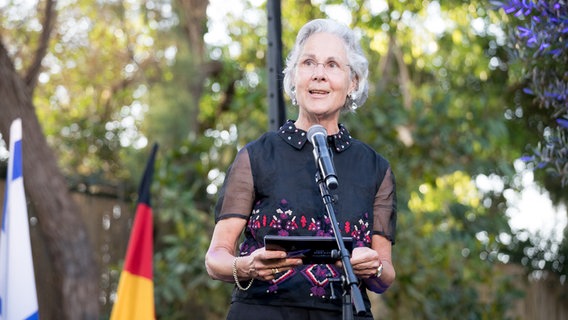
316,129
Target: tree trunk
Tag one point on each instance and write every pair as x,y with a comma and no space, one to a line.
75,282
194,20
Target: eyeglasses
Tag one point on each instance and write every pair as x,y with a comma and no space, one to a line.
309,66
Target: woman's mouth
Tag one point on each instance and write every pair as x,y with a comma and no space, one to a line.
318,92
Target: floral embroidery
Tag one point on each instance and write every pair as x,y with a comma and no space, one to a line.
284,221
361,232
282,163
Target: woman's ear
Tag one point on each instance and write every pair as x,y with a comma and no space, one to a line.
354,84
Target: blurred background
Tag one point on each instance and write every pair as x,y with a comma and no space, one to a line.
468,101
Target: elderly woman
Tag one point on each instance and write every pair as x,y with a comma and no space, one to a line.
270,190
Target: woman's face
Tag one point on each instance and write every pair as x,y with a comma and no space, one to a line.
323,76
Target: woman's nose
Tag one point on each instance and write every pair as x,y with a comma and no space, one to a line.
319,72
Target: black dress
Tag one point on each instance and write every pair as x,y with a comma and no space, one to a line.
272,184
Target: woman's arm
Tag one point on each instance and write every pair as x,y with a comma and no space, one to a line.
222,250
383,247
366,262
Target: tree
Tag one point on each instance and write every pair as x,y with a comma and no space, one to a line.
539,42
78,96
437,114
131,71
76,277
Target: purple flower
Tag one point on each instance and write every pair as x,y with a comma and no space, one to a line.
543,46
528,91
562,122
524,32
532,41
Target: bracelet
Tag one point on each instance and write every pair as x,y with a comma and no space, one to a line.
237,278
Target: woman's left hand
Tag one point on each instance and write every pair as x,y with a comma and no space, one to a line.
365,262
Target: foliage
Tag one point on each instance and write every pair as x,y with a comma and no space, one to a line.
90,96
200,134
539,41
539,254
436,111
185,224
457,253
449,115
438,73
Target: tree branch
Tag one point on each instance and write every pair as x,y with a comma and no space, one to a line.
50,18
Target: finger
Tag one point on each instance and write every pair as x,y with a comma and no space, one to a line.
273,254
292,262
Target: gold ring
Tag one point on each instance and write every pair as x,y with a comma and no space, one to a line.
277,271
273,270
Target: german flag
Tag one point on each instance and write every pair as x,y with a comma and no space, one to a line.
135,295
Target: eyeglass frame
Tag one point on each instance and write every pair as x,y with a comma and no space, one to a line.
325,65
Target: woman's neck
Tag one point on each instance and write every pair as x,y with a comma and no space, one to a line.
330,125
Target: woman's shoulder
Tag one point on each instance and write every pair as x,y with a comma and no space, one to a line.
362,147
267,145
267,137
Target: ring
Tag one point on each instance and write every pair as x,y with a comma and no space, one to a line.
379,271
273,270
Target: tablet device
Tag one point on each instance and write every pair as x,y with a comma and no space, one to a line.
312,249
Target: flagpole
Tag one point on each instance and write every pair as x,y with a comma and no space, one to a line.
18,294
135,293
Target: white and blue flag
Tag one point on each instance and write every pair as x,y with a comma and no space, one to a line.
18,297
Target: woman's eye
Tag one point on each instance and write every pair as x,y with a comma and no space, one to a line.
332,65
309,63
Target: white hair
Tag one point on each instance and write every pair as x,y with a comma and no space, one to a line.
357,60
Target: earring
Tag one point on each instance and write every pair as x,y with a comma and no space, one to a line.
293,96
353,97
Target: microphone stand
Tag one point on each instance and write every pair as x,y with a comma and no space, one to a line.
351,292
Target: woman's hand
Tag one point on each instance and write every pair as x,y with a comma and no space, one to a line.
267,264
365,262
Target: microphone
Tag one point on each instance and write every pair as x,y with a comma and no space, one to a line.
317,135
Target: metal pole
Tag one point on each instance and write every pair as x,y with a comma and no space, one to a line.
277,111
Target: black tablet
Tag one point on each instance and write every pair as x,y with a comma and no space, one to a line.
311,249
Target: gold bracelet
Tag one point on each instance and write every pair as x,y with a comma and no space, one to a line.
237,278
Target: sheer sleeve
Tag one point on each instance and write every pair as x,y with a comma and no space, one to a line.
237,194
385,209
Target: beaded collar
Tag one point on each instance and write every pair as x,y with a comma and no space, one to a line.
297,138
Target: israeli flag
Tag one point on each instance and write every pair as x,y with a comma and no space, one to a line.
18,297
